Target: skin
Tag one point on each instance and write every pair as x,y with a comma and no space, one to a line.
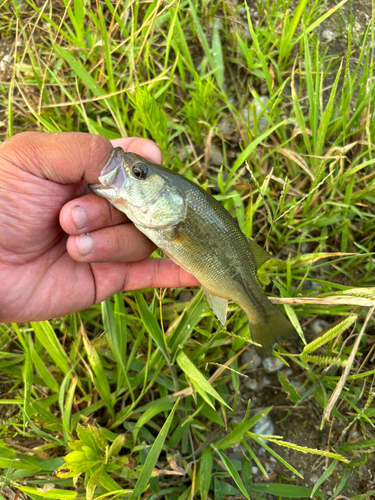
62,250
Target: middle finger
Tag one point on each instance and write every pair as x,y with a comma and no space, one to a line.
121,243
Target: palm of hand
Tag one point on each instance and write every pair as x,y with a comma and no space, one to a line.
33,256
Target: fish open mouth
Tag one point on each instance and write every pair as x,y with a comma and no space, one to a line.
112,176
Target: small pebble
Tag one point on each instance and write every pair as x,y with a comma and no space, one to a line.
224,126
272,364
313,478
311,285
287,372
250,356
234,452
248,116
264,426
318,326
5,61
328,35
269,469
305,248
296,384
216,156
183,152
266,380
251,383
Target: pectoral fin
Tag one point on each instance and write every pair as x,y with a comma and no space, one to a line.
218,305
260,255
193,245
187,241
178,263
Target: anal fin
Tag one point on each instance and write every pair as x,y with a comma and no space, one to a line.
218,305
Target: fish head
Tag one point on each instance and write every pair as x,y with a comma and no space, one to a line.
144,191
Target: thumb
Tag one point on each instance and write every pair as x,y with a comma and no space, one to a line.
66,157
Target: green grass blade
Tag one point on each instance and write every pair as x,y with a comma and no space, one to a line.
239,430
205,472
247,152
202,37
53,494
153,456
80,71
324,476
156,408
274,454
322,18
217,55
151,324
284,490
47,337
259,52
200,382
100,378
188,320
43,370
234,474
286,46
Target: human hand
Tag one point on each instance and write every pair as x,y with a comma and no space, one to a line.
62,250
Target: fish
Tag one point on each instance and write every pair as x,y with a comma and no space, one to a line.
196,232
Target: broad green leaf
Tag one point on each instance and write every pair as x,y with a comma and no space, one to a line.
117,445
93,437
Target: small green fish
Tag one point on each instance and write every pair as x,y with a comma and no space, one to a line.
195,231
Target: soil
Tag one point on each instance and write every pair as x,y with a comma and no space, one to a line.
301,425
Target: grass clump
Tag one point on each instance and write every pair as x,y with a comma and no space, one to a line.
144,396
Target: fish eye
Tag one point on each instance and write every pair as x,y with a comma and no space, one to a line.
140,170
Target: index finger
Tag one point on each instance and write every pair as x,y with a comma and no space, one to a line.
66,157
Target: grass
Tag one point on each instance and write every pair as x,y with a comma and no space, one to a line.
132,398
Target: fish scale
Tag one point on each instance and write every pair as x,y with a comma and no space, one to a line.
195,230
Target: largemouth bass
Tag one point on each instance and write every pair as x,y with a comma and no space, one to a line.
195,231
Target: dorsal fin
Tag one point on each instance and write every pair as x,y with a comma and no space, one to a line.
260,255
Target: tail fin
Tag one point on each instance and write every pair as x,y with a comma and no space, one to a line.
273,328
